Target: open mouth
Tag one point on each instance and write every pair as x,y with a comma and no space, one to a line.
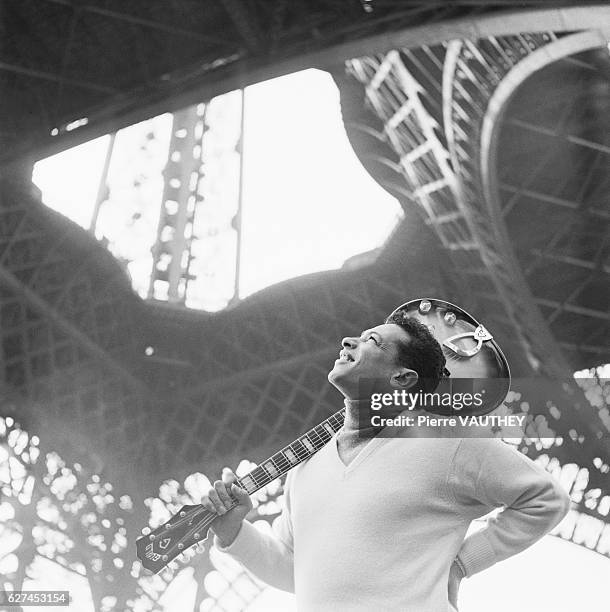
345,357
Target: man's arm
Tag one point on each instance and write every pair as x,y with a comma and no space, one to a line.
267,556
493,474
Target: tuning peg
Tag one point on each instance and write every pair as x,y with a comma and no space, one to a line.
167,572
187,555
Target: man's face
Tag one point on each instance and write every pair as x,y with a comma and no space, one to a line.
373,355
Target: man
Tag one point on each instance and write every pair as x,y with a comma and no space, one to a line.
378,523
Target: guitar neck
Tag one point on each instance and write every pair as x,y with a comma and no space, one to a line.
290,456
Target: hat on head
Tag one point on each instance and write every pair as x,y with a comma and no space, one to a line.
475,361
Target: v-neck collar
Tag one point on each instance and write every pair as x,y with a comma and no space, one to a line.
362,454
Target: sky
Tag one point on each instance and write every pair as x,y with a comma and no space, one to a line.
308,205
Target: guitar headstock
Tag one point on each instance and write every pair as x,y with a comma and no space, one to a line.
186,528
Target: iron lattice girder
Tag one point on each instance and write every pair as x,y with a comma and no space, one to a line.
57,78
305,317
564,194
68,337
249,407
473,72
11,282
502,55
573,261
149,24
551,199
576,140
523,300
172,256
586,524
35,266
219,357
587,312
429,176
245,22
602,351
294,37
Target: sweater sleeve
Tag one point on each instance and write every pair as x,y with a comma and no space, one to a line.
268,556
489,474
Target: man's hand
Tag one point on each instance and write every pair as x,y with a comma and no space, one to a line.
219,499
455,577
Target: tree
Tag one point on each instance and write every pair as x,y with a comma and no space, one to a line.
221,584
65,515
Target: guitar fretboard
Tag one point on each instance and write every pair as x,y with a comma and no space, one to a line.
290,456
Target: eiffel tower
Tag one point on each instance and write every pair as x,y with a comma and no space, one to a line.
489,124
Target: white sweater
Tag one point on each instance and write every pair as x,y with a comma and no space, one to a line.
382,533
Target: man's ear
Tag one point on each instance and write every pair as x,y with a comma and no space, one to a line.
404,379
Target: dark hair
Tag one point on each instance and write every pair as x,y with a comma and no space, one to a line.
421,353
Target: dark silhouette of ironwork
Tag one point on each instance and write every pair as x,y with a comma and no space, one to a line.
502,183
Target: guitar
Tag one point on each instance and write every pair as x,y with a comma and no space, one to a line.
472,355
190,525
475,360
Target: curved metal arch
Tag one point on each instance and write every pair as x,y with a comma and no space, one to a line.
488,153
519,299
120,112
454,48
543,340
498,103
592,17
490,129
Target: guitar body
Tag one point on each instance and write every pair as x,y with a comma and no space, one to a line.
473,358
475,361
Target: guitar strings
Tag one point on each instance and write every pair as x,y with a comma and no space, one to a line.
317,435
302,456
285,464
